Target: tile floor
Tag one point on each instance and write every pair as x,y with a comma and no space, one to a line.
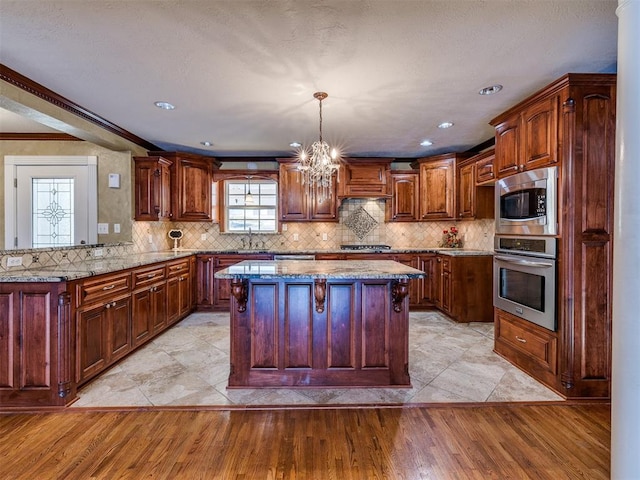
189,365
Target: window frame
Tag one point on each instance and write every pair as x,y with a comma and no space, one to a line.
256,178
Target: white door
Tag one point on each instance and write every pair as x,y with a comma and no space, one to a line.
52,203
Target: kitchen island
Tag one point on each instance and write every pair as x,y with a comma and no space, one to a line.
305,323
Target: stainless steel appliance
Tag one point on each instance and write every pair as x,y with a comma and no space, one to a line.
524,278
526,203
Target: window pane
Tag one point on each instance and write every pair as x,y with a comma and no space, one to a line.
260,214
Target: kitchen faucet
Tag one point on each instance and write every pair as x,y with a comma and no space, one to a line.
250,242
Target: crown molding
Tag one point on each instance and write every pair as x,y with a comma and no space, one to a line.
18,80
56,137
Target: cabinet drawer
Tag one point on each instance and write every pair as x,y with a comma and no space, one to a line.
484,171
178,268
103,287
148,276
535,342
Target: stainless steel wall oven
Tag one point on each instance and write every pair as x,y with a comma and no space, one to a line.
524,278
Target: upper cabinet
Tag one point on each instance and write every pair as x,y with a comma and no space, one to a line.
485,167
404,205
438,185
527,138
152,188
298,204
191,186
365,178
475,200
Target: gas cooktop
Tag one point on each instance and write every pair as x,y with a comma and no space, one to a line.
365,247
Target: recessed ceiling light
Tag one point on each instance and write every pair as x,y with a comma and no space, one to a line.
164,105
446,125
490,90
206,143
295,144
426,143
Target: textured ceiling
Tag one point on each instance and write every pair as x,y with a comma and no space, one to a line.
242,73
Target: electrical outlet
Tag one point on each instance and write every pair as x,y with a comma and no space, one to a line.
296,237
103,228
116,228
284,227
14,261
203,236
325,237
98,252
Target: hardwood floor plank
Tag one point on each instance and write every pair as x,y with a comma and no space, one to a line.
457,442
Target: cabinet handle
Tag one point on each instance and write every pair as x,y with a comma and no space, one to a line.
110,287
151,275
521,340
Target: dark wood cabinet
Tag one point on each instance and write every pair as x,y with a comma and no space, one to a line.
191,185
365,178
178,290
485,168
149,303
297,203
438,185
571,123
205,282
152,186
474,202
282,338
466,288
222,287
36,345
403,206
535,349
527,137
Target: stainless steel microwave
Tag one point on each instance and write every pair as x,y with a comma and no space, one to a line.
526,203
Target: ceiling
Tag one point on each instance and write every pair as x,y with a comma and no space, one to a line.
242,73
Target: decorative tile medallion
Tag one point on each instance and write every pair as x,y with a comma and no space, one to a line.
360,222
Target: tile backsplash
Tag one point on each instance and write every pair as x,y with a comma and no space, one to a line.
361,221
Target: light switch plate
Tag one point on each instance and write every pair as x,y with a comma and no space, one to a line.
103,228
114,180
14,261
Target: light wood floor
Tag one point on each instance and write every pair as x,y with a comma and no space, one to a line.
436,442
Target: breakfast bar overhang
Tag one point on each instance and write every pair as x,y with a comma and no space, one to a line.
306,323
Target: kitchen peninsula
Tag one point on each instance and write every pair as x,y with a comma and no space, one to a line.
318,323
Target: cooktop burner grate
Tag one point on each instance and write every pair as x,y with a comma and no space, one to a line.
365,247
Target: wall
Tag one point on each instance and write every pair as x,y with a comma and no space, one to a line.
114,205
476,234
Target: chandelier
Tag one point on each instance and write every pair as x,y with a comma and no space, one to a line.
319,165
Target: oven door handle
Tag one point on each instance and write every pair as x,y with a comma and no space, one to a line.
526,263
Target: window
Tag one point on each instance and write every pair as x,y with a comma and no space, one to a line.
251,204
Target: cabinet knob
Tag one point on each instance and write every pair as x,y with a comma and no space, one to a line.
516,168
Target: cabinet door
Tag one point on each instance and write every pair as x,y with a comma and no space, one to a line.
507,147
427,286
184,290
152,188
414,284
324,209
485,169
437,185
142,316
292,195
192,197
119,320
403,205
173,299
204,279
466,191
92,338
540,134
159,307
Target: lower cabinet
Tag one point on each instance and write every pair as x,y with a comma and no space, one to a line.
104,335
178,290
36,345
465,287
149,312
213,293
529,346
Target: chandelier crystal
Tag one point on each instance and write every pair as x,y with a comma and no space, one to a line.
319,165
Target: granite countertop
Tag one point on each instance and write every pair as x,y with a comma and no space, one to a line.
101,265
330,269
89,268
